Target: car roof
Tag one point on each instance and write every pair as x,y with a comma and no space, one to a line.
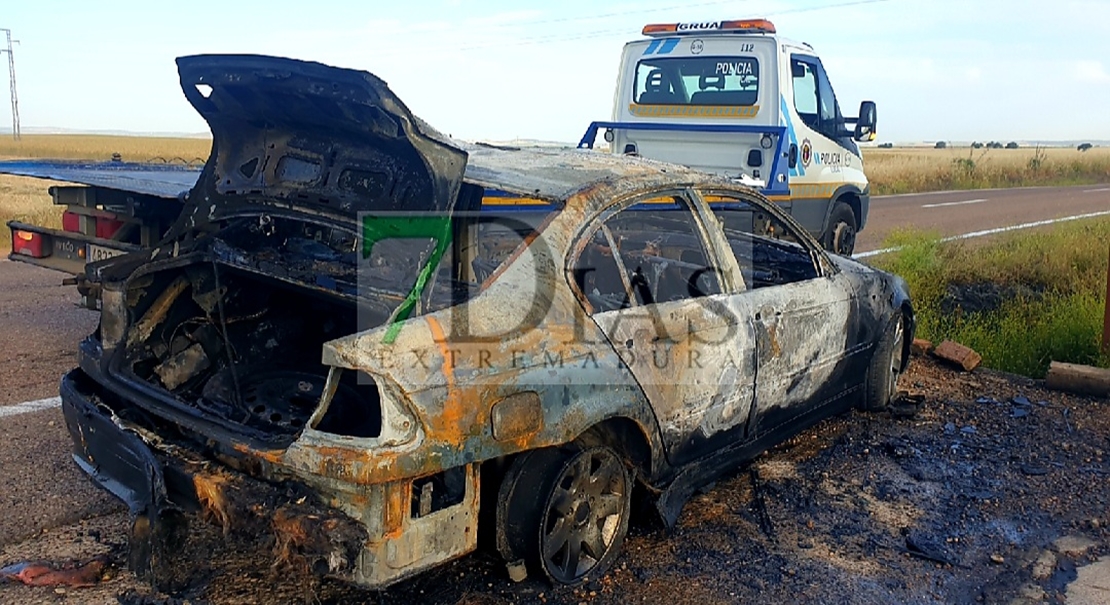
557,173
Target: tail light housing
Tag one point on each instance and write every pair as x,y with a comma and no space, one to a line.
106,227
29,243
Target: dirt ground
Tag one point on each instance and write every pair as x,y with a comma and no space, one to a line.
995,492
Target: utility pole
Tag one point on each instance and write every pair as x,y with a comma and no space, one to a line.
11,77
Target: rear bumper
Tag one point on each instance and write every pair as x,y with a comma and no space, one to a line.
165,488
372,535
68,251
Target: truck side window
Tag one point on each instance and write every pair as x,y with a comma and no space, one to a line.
814,99
805,92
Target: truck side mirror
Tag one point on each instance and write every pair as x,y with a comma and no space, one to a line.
867,122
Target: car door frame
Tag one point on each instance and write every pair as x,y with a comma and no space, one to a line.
765,416
689,430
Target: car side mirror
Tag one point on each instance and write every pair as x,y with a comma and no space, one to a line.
867,122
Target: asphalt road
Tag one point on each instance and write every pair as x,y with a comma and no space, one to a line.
40,486
954,213
41,490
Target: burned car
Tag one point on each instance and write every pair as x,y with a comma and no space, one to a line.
360,334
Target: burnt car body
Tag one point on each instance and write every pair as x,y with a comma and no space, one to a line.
356,322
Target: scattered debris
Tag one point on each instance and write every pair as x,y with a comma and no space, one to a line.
39,573
1079,379
920,346
905,405
997,559
1034,470
958,354
923,547
1073,545
1045,566
134,597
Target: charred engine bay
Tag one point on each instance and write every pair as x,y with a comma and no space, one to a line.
237,333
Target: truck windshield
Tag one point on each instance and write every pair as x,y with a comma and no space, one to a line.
731,81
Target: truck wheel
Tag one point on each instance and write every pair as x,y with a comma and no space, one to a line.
886,366
840,238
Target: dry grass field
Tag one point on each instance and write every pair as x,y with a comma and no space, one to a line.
898,170
915,169
101,148
26,199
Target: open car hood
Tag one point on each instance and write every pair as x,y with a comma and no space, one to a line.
304,135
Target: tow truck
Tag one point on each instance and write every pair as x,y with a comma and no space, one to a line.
730,97
735,98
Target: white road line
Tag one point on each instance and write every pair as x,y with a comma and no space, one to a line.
30,406
1097,190
985,232
979,201
966,191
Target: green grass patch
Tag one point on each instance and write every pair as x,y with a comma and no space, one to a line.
1045,293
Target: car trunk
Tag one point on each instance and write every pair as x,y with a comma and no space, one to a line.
244,348
224,322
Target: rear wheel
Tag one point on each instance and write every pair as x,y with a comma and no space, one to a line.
886,366
585,516
564,511
840,237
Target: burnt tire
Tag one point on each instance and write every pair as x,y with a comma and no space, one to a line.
585,516
840,236
568,510
886,366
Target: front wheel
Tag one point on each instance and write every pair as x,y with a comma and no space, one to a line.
840,237
886,366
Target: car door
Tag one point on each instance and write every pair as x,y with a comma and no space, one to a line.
647,278
800,311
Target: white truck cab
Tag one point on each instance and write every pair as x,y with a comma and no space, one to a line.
734,98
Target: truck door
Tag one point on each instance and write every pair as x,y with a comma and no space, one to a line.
828,159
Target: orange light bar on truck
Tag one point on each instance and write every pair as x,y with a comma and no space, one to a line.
736,26
28,243
660,28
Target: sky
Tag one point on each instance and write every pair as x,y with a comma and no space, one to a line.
528,69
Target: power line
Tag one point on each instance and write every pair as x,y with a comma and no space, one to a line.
600,33
810,9
11,78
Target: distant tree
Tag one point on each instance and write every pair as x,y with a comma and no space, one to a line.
994,145
886,145
1084,146
976,145
940,145
1011,145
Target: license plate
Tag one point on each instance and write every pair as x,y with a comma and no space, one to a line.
99,253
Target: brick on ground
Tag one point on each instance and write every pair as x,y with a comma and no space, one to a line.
959,355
